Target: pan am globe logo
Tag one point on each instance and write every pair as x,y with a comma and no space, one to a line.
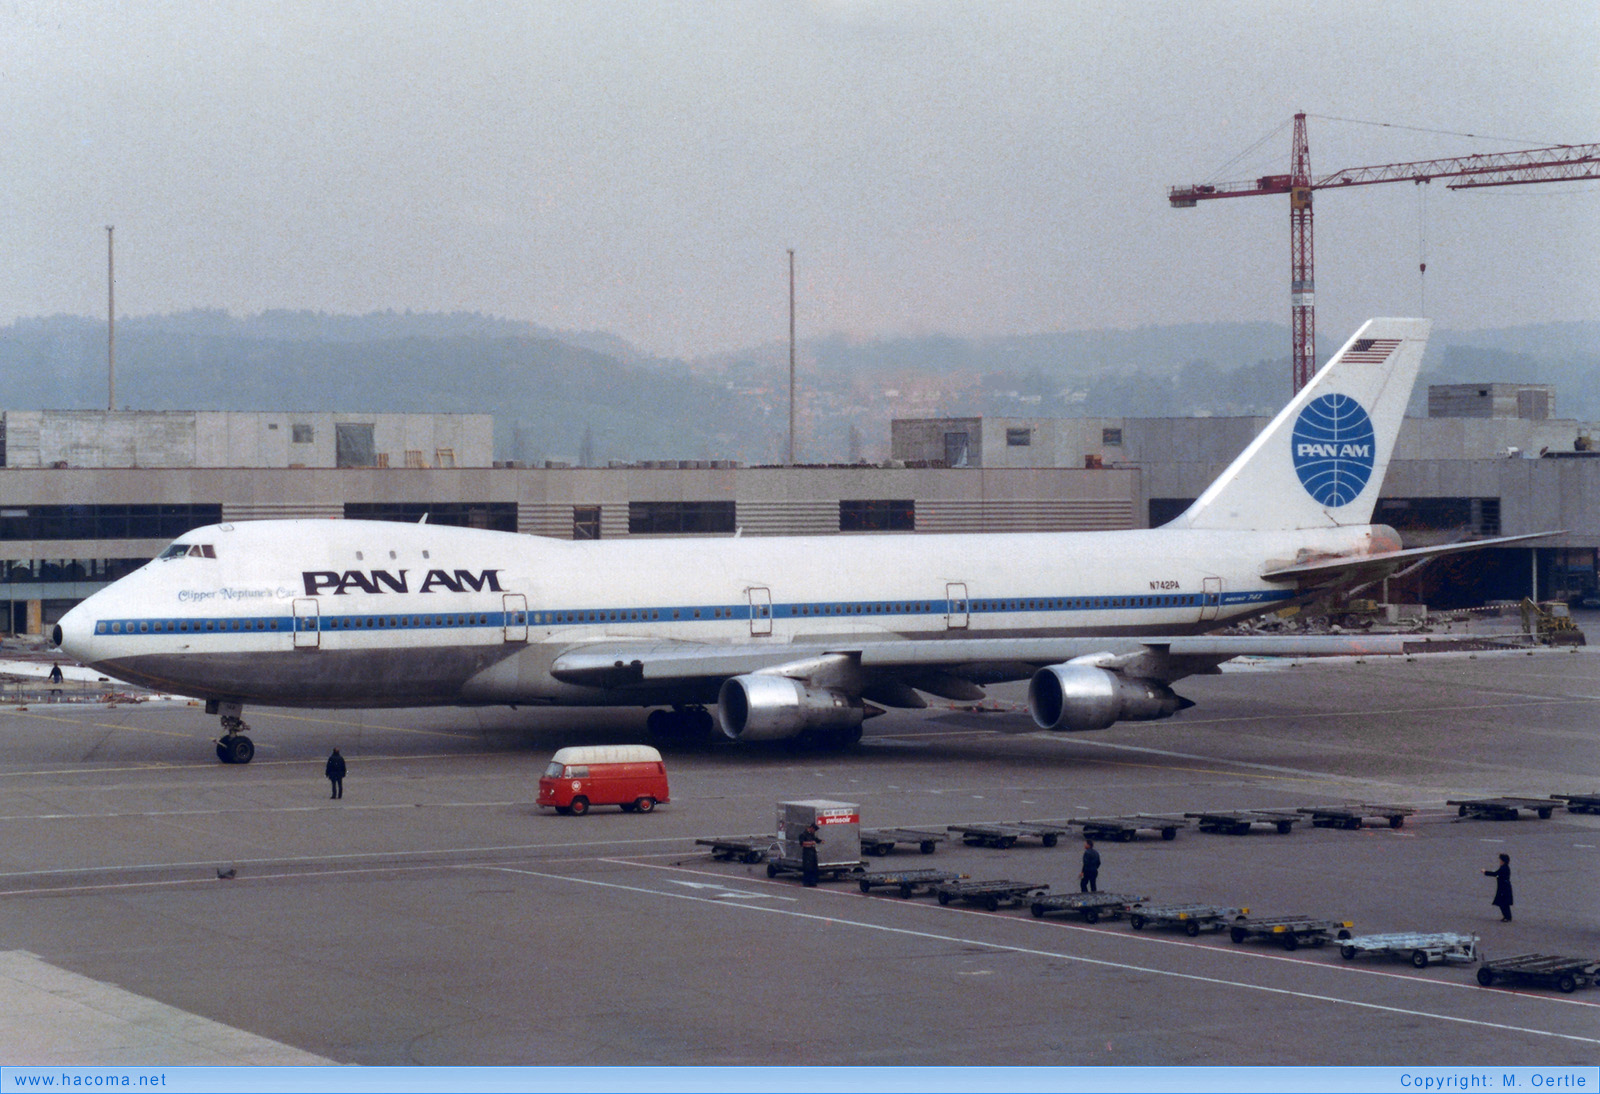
1333,449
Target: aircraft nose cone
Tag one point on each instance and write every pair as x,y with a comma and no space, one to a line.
72,634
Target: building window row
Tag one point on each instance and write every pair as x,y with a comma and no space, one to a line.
498,516
104,521
878,516
62,570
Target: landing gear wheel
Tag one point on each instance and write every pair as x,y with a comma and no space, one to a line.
579,806
236,749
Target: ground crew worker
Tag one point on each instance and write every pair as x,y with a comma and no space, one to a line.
1502,887
1087,877
334,770
808,854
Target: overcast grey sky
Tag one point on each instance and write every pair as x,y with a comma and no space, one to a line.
972,168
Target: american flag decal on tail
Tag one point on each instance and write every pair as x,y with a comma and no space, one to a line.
1370,351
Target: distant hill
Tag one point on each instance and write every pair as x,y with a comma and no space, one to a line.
550,390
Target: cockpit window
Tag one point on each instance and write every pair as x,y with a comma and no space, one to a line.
192,550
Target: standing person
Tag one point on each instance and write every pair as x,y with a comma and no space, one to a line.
335,773
808,854
55,673
1502,887
1088,877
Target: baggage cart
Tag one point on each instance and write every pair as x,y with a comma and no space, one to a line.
1354,815
1417,947
1502,809
1565,974
1239,822
880,841
1127,828
833,871
1291,931
1001,836
1580,803
740,848
1193,918
991,894
1093,907
908,882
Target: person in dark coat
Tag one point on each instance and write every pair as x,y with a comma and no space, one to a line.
808,854
1502,887
1088,877
55,673
335,773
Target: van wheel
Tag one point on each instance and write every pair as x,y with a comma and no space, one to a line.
645,805
579,806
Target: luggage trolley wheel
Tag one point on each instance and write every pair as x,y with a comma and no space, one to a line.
1397,821
991,903
1568,983
1285,827
772,869
1419,959
1037,909
1049,839
928,846
1136,921
1347,952
1238,934
1290,941
1485,976
866,886
944,899
1091,915
1191,927
1169,833
905,891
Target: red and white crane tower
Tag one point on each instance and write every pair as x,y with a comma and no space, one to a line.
1560,163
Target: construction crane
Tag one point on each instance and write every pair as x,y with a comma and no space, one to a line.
1560,163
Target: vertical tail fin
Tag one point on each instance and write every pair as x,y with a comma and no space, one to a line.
1321,461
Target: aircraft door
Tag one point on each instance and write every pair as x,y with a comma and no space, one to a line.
515,606
1210,598
955,593
760,610
307,631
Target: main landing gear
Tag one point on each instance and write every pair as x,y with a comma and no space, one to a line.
682,725
233,747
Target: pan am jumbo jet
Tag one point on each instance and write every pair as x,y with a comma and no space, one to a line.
783,637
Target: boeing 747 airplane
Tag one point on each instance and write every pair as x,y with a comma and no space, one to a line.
780,637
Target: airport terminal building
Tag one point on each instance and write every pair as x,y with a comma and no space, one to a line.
87,496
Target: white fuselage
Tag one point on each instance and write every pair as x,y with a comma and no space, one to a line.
368,613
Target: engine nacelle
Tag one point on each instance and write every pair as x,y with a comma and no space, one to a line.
1077,697
771,708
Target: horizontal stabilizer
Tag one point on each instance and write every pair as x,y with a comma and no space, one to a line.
1375,567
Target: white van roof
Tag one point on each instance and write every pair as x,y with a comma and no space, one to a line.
606,754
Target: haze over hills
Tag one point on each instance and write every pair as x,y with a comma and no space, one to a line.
561,395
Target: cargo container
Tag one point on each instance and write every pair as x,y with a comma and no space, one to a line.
579,778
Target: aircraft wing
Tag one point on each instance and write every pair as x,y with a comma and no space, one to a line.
623,664
1374,567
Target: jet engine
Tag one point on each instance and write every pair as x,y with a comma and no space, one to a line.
771,708
1077,696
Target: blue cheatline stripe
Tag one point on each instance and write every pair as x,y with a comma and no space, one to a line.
888,609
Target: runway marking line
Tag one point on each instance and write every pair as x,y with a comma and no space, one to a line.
1123,966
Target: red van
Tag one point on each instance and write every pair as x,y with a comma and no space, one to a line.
631,776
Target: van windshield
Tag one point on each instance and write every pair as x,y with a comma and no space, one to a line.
554,770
